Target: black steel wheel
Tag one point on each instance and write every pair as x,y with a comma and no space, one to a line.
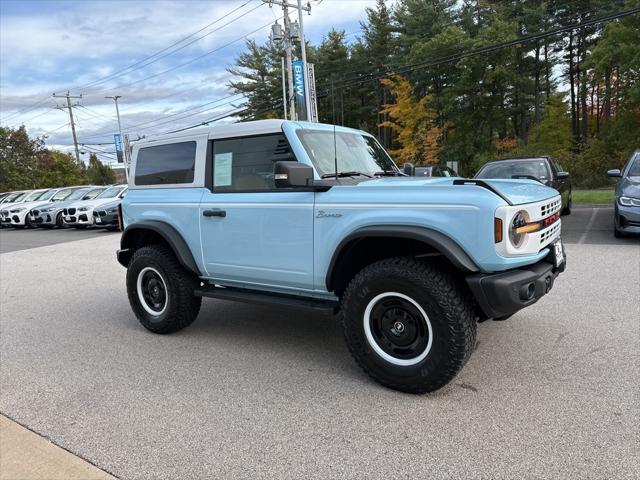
410,324
161,291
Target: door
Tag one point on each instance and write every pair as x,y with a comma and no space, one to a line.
253,234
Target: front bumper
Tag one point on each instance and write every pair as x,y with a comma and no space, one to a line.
80,218
627,218
502,294
103,219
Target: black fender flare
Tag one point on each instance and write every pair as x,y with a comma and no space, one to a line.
439,241
164,230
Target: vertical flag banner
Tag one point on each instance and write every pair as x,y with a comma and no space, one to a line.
313,98
119,152
298,88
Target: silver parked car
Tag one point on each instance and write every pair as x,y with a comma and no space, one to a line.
49,216
626,218
80,214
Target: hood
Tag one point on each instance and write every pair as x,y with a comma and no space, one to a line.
27,205
630,187
108,205
96,202
34,204
516,191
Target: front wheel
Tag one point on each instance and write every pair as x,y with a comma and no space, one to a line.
409,324
160,291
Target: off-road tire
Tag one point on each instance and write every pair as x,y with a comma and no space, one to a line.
182,306
443,298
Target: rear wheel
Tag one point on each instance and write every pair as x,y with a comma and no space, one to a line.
409,324
160,290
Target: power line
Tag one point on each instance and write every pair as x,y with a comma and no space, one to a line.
54,130
29,108
385,72
162,122
43,100
199,57
141,64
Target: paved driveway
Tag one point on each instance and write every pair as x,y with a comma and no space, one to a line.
261,392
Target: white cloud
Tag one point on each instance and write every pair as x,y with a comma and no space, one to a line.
58,45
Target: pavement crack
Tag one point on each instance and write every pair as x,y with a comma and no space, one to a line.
467,386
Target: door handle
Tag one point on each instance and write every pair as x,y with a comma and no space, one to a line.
214,213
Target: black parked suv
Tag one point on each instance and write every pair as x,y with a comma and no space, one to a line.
544,169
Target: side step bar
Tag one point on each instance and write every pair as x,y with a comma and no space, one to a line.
268,298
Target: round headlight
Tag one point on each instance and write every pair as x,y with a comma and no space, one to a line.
520,219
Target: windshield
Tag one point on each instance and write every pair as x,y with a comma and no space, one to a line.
20,197
47,194
33,196
634,167
10,198
536,168
74,195
62,194
92,194
355,152
110,192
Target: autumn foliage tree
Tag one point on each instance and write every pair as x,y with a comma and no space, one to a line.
412,122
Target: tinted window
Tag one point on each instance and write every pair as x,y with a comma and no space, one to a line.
634,166
515,169
166,164
246,164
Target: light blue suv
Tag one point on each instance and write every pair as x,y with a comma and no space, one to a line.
311,215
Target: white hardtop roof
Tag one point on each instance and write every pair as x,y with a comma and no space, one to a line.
226,130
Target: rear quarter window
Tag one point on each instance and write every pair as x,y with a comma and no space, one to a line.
172,163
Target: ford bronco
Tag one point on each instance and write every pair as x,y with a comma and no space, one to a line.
312,215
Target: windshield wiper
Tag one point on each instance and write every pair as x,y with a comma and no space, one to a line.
388,173
345,174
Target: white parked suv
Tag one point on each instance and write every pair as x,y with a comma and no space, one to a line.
22,218
13,214
80,214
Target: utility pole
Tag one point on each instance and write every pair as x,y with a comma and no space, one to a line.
286,37
73,125
124,153
287,49
284,89
305,67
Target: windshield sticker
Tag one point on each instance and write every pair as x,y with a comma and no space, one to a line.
222,169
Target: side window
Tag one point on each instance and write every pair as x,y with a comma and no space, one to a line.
166,164
246,164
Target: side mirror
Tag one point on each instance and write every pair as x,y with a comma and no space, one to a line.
409,169
292,174
562,175
615,172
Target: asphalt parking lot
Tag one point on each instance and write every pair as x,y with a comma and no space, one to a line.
265,392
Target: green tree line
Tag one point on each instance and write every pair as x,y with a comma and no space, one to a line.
25,163
575,95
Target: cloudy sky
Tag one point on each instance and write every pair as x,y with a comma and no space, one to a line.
101,48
